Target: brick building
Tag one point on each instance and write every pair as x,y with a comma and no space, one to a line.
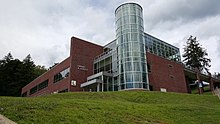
134,60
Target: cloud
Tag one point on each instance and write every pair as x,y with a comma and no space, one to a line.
182,11
174,21
36,26
43,28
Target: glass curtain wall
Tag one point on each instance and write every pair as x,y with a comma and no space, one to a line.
161,48
131,47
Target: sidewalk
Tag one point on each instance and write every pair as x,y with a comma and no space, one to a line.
4,120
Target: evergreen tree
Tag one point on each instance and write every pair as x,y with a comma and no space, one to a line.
9,75
38,70
15,74
195,57
8,58
28,68
3,73
53,65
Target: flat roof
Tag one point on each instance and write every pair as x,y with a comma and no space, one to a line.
128,3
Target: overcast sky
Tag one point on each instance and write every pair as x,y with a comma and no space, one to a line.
43,28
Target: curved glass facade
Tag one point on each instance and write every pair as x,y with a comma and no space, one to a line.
131,47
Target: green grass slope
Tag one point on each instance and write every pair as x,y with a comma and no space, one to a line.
113,107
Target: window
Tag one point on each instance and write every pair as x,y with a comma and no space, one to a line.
121,78
170,66
43,85
148,67
122,86
161,48
143,67
129,77
128,66
144,77
135,46
136,66
61,75
63,91
138,85
145,86
24,94
171,76
38,87
33,90
137,77
129,85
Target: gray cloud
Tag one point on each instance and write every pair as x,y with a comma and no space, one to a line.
174,21
182,11
43,28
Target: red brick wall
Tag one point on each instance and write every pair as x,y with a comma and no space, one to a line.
82,53
166,74
52,87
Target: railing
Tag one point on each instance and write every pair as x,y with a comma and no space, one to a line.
193,69
103,55
216,76
202,72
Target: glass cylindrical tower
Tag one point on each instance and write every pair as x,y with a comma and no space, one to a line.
131,47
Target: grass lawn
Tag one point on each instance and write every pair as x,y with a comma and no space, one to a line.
207,91
113,107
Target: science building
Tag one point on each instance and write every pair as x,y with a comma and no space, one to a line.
134,60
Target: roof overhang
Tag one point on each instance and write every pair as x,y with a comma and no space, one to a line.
94,81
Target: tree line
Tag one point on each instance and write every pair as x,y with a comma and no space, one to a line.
15,74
